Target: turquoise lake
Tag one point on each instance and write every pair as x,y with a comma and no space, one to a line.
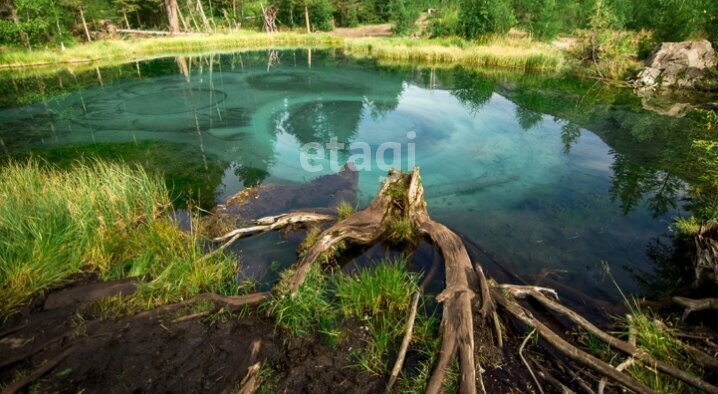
548,175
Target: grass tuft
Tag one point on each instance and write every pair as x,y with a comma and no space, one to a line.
109,219
344,210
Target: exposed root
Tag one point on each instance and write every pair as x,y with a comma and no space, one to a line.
548,377
251,382
693,305
457,324
364,227
620,345
399,364
572,352
38,373
526,363
273,223
232,303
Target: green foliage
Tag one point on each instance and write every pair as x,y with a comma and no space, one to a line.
379,300
483,17
401,230
310,309
402,14
445,22
375,301
344,210
103,218
291,13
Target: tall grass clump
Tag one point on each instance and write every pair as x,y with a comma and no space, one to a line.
375,302
379,300
108,219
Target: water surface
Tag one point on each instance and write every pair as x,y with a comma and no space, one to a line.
548,175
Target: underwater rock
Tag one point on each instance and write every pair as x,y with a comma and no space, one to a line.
324,192
683,64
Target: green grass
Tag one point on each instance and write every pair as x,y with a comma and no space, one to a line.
128,50
656,339
309,310
109,219
373,303
401,230
344,210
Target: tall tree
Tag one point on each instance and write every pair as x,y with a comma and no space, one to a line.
172,17
16,20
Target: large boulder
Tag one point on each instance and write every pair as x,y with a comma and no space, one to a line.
678,64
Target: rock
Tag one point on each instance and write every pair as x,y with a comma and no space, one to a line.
678,64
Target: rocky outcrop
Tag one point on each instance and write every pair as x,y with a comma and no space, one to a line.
684,64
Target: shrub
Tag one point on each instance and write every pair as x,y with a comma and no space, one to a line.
484,17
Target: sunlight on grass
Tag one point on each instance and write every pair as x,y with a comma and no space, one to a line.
165,46
501,52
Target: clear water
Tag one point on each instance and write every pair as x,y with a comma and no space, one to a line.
544,174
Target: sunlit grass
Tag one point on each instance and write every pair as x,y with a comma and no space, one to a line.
108,219
500,52
164,46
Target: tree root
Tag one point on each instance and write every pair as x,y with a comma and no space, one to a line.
399,364
620,345
364,227
692,305
38,373
273,223
232,303
401,197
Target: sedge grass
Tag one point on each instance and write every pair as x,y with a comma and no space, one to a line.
498,52
133,49
105,218
514,53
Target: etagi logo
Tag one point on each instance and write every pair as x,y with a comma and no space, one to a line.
312,155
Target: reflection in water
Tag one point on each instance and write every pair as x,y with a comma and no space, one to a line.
547,174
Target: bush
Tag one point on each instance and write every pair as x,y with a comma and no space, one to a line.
484,17
444,23
403,15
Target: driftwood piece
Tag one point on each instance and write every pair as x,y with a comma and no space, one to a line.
399,364
273,223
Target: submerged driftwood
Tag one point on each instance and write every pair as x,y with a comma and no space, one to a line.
467,294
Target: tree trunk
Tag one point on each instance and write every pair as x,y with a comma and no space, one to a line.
16,20
127,21
84,24
205,22
306,17
172,10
